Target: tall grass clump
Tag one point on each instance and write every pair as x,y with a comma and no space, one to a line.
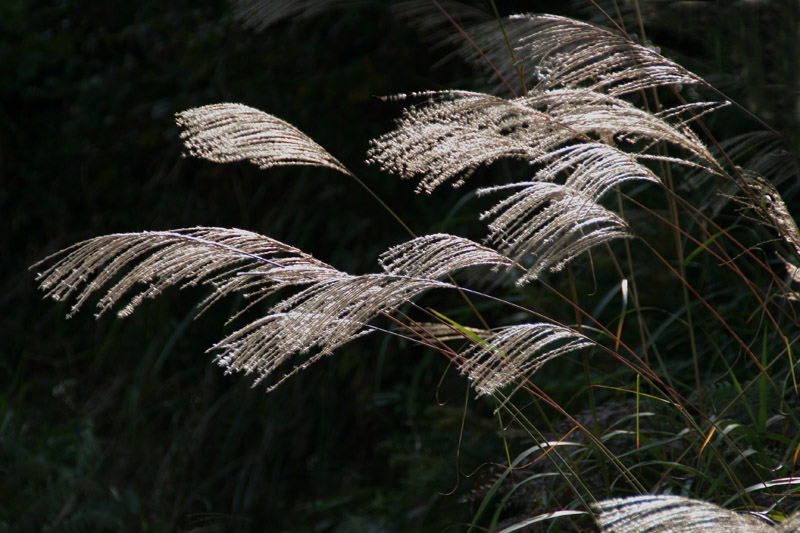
628,314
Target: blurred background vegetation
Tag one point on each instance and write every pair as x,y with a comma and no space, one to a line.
125,425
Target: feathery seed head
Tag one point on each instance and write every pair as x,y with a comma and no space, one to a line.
234,132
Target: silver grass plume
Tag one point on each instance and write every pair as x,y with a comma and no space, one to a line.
568,131
229,260
330,313
333,309
514,352
438,254
668,514
770,208
457,131
593,168
323,317
234,132
548,224
552,52
564,225
330,309
569,53
503,355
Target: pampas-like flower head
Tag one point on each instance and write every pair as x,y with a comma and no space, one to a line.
234,132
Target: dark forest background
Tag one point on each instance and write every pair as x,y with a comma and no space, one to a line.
126,425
